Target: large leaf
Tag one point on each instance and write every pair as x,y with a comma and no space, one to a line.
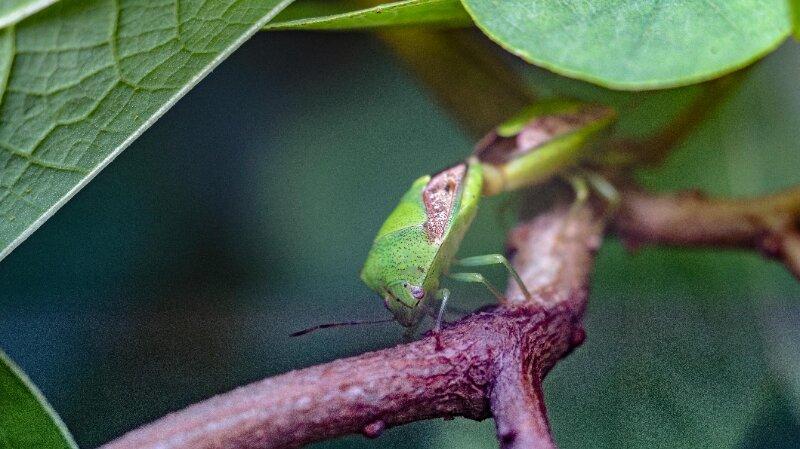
12,11
781,329
332,15
26,419
83,79
635,44
674,379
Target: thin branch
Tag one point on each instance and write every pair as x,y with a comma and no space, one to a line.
517,404
769,224
654,149
490,362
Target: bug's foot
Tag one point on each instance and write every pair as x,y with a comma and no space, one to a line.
585,182
437,338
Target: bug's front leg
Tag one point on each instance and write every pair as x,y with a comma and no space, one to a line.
442,295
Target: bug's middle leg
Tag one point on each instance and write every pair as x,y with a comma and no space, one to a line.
584,182
477,277
495,259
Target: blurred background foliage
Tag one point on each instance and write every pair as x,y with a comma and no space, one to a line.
246,212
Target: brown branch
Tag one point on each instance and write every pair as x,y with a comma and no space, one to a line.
492,362
769,224
488,363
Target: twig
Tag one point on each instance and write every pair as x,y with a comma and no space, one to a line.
488,363
654,149
769,224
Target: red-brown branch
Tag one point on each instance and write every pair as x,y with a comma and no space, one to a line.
490,363
769,224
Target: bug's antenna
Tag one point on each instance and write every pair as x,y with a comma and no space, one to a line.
329,325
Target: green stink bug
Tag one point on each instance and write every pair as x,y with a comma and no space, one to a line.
418,241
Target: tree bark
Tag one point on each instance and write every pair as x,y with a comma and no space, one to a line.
768,224
490,363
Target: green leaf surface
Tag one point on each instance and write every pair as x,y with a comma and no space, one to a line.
331,15
83,79
794,5
781,331
635,44
26,419
12,11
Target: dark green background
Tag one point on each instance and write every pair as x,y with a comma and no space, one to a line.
245,213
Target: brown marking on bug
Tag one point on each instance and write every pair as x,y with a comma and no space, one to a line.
495,149
439,197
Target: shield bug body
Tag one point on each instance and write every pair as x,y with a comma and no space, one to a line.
418,241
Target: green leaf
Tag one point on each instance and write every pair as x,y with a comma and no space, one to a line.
635,44
12,11
678,367
794,5
781,332
81,80
331,15
26,419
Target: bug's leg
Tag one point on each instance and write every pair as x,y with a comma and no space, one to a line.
581,188
442,295
606,190
494,259
410,333
477,277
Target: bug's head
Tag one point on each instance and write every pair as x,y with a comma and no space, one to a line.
405,301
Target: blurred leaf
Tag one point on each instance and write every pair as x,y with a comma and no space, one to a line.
795,7
83,79
331,15
781,329
636,44
664,365
775,428
12,11
26,419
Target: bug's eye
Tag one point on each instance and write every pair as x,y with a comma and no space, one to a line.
417,292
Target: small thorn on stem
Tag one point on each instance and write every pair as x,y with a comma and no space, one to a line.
692,194
631,244
578,337
771,245
374,429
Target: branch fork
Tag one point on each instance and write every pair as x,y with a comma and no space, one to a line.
491,362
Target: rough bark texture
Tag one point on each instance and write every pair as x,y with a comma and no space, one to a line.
489,363
769,224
